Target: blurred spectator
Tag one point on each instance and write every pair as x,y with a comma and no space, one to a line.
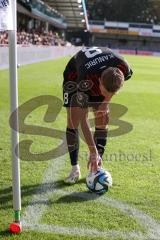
3,38
34,38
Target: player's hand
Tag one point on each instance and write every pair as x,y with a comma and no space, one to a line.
100,162
94,162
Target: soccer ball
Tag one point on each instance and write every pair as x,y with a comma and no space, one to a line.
99,182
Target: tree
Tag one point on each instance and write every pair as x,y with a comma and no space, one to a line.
146,11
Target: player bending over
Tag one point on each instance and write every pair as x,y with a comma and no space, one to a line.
91,78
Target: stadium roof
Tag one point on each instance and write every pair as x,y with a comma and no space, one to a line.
73,10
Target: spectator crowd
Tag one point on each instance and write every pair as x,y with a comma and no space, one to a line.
34,38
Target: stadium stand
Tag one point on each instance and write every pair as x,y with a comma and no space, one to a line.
45,22
60,23
73,10
35,38
124,25
124,35
39,10
42,32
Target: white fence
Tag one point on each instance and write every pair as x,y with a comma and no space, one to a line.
33,54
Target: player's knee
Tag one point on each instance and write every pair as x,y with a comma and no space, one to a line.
102,119
106,117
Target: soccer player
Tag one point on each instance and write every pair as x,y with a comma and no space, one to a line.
91,78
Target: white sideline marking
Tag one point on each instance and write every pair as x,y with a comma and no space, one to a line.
34,211
145,220
39,203
148,222
83,231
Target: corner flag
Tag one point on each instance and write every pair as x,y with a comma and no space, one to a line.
8,22
6,15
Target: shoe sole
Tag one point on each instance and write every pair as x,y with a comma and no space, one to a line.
72,183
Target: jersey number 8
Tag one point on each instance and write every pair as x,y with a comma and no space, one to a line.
65,98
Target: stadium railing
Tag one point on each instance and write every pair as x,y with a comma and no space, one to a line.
33,54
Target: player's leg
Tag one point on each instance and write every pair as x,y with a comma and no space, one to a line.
101,114
72,137
73,117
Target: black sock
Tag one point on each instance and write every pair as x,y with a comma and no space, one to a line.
73,144
100,138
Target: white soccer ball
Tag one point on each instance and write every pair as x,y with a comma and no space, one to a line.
99,182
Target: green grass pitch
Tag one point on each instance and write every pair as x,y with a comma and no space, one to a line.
135,175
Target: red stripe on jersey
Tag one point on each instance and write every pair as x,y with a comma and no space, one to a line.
72,75
95,90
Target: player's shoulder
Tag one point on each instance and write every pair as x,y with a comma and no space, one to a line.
92,51
87,54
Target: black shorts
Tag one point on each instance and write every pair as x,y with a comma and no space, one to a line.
73,97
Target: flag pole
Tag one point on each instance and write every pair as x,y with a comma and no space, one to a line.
15,227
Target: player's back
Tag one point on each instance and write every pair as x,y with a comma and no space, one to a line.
90,57
95,60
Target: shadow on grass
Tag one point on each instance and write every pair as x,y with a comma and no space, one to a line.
5,233
30,190
40,189
78,197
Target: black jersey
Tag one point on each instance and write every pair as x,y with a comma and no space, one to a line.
89,63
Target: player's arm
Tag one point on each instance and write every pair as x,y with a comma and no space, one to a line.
125,68
122,64
94,159
79,116
94,156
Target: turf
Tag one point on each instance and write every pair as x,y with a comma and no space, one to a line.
132,158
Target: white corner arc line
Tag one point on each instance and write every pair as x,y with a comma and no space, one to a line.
39,202
152,226
84,232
